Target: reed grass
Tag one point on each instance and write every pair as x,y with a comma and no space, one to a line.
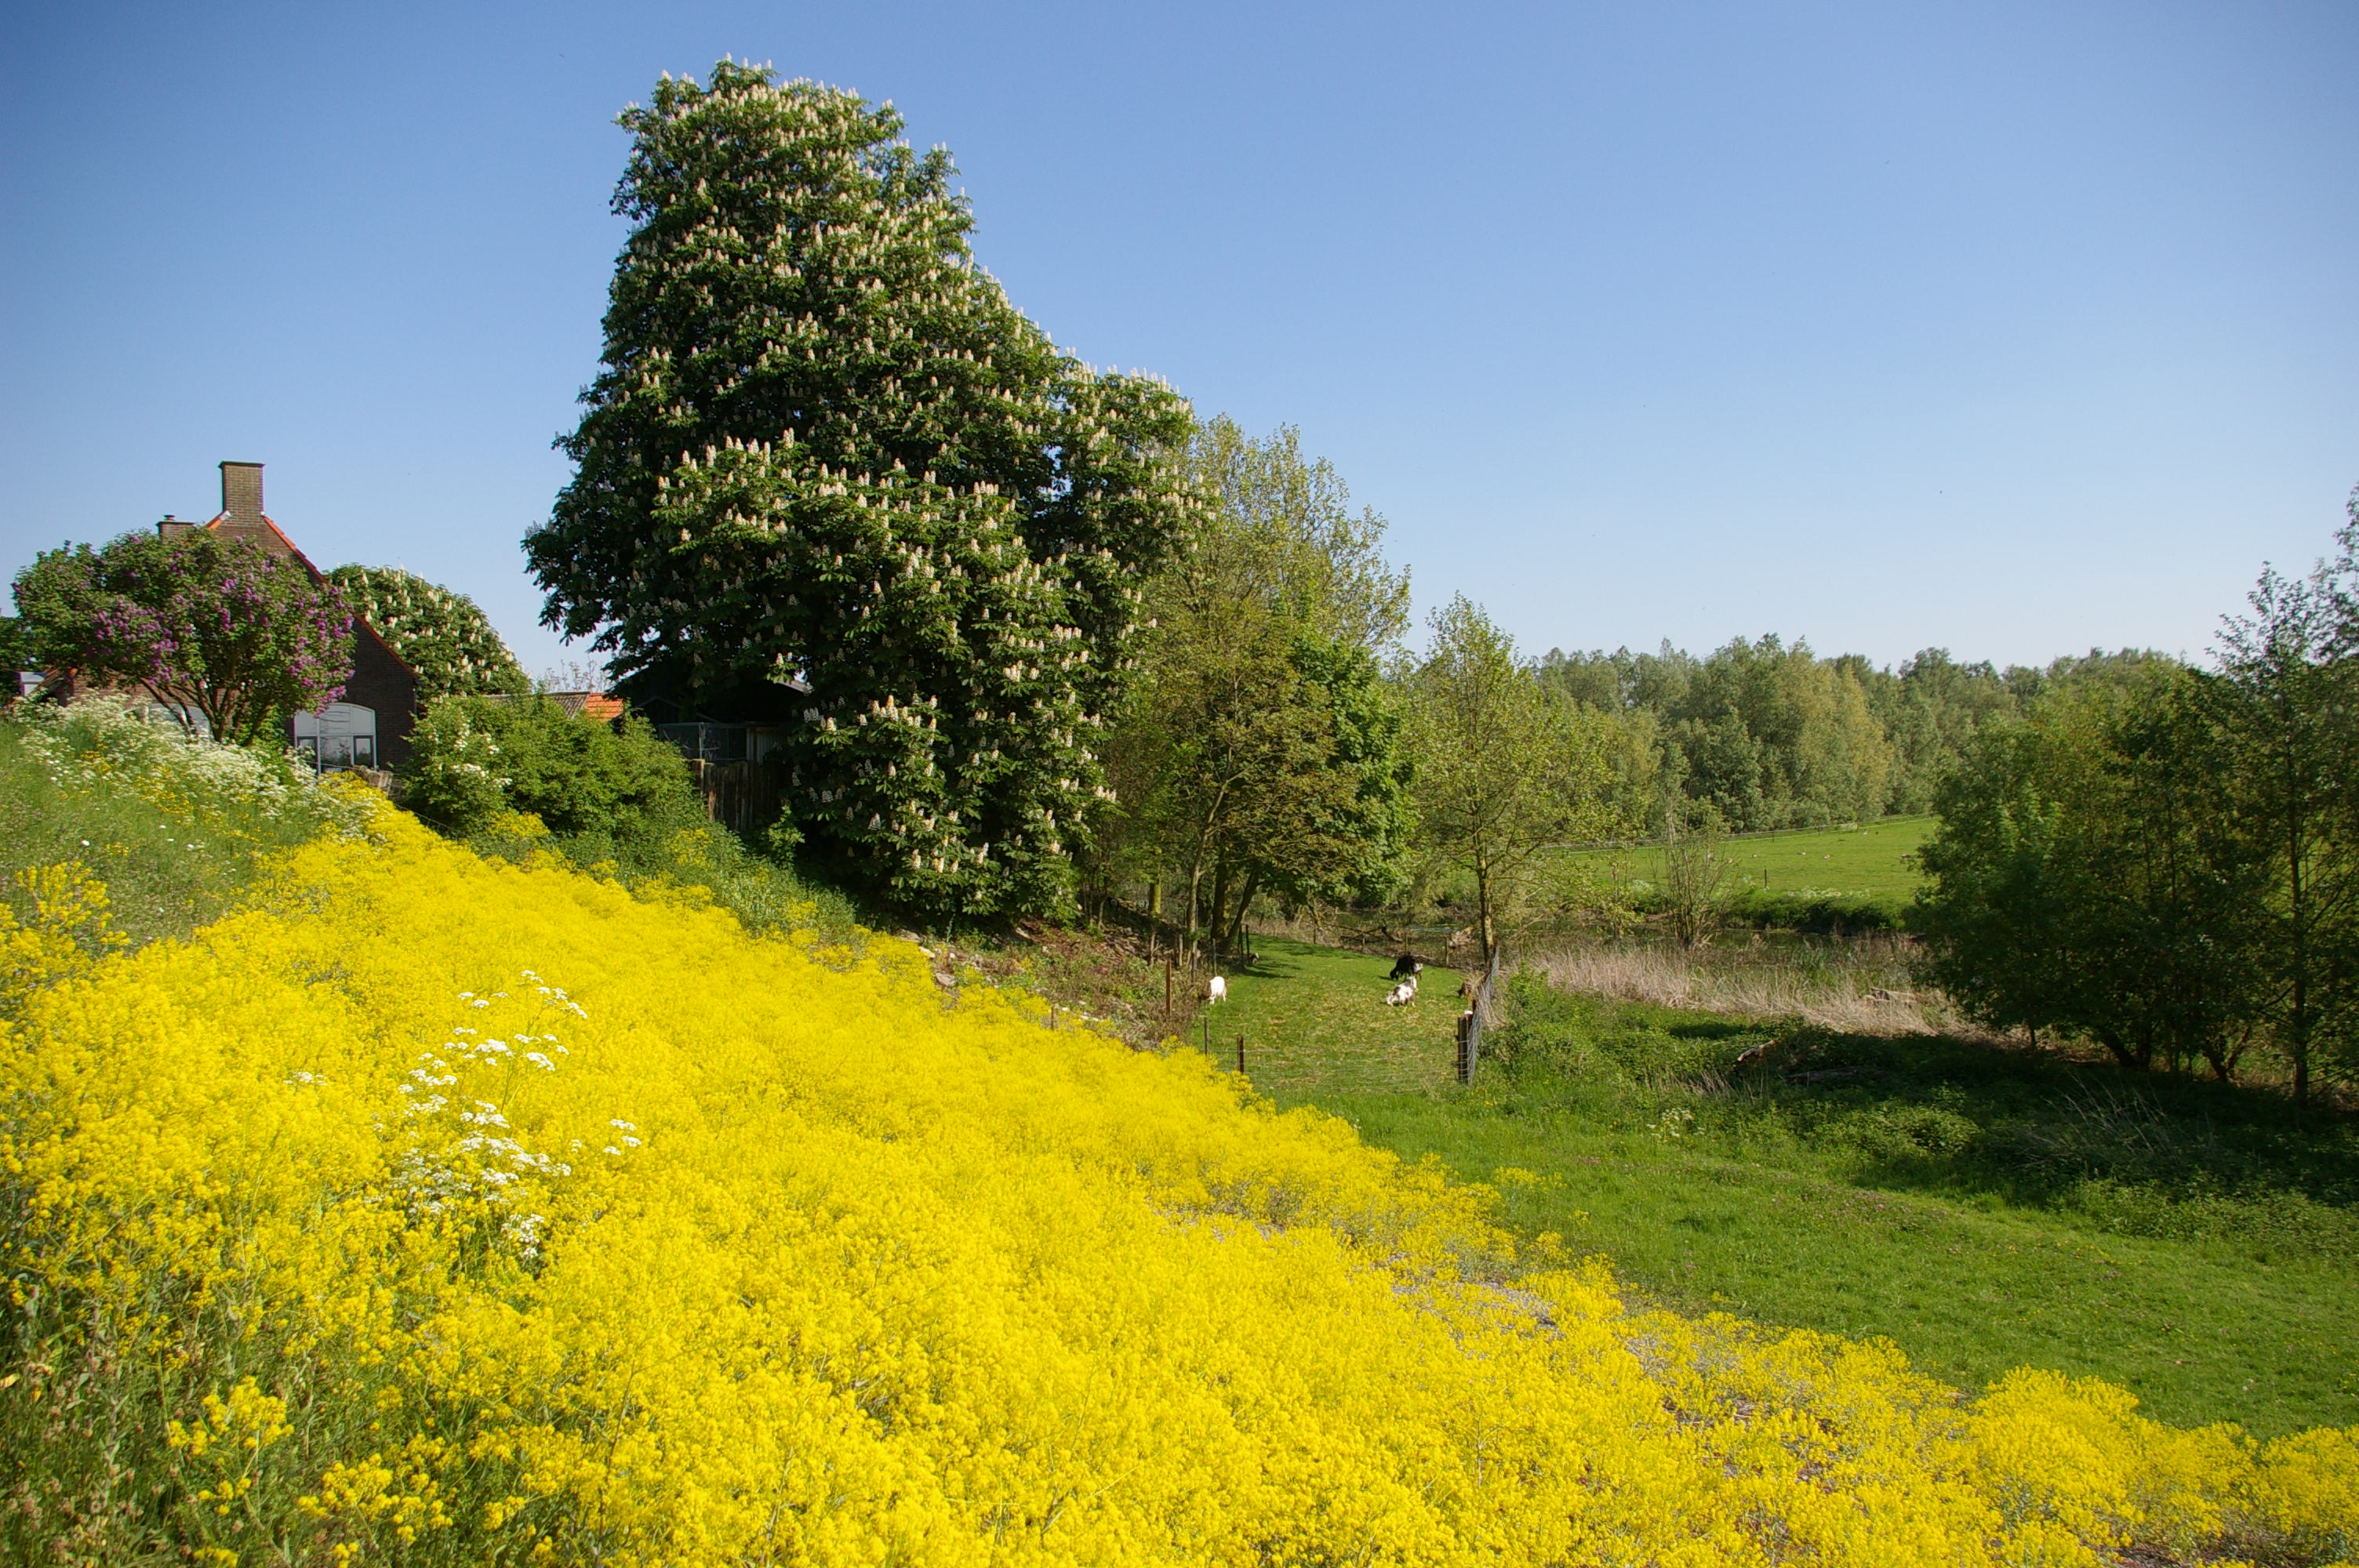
1859,985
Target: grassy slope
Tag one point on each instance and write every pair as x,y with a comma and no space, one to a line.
1771,1207
167,872
1983,1209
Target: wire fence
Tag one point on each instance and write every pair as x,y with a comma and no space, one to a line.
1481,1005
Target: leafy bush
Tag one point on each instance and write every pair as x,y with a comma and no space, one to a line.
1812,909
472,759
524,778
683,1245
1782,908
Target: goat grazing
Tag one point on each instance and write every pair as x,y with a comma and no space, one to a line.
1402,994
1406,966
1216,989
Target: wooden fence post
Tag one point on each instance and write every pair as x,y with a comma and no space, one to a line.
1241,1056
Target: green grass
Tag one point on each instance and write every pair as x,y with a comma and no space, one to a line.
1314,1022
1984,1209
1871,860
173,828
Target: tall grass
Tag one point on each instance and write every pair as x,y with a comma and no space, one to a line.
172,824
1859,985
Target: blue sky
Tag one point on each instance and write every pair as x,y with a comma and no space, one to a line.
2013,329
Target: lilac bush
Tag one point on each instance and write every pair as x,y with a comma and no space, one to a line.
229,636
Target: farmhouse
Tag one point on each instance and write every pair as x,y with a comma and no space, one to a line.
370,728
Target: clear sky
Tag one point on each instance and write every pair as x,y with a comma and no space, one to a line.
2010,328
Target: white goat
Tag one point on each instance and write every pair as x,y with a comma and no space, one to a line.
1402,994
1217,991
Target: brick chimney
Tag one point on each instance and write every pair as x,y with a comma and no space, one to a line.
241,497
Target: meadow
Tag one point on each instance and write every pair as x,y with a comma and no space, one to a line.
1980,1207
441,1208
1870,858
1857,877
1312,1022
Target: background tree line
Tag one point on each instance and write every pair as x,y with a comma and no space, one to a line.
1761,735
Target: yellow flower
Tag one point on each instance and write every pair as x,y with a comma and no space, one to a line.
569,1226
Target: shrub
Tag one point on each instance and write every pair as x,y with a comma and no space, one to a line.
214,625
472,759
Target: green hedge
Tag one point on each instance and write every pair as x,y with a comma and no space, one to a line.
473,759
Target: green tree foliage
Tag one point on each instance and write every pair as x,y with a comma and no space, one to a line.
2166,859
1505,767
825,447
2090,875
2286,701
1770,736
234,638
1261,751
444,636
474,758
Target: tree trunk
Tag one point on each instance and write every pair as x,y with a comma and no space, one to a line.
1484,929
2298,1025
1195,884
2122,1052
1249,888
1216,925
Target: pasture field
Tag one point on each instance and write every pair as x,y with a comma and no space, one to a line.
1314,1022
1872,859
1983,1208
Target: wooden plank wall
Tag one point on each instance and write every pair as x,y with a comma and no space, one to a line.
741,797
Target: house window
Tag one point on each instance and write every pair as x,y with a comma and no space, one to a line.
344,736
707,742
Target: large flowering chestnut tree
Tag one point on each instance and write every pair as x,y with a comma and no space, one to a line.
825,449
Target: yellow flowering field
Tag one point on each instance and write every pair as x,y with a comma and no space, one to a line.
437,1210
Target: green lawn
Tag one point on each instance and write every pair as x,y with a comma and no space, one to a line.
1871,860
1314,1022
1985,1209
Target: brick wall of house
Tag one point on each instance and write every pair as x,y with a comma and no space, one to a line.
382,682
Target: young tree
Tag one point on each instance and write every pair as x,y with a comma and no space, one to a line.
1505,768
1695,868
1261,750
2092,874
824,447
444,636
217,628
2287,697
